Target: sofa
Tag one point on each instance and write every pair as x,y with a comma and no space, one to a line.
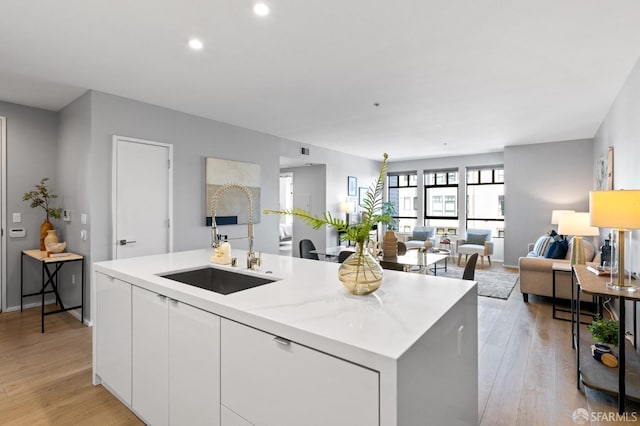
536,275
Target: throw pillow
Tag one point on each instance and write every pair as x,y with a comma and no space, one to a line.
557,250
541,246
477,239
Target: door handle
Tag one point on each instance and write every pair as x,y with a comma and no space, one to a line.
125,242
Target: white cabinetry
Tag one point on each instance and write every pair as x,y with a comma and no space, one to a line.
150,356
176,361
113,335
194,366
271,381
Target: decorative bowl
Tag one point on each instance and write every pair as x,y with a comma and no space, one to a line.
56,247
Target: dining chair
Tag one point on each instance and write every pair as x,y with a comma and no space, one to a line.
342,256
470,267
305,250
391,265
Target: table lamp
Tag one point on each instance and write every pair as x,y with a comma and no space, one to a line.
576,224
555,215
619,210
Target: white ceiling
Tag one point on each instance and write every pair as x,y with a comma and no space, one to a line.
476,75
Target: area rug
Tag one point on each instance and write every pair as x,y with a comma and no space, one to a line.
497,284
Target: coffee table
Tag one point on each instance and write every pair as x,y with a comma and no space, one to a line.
434,268
423,260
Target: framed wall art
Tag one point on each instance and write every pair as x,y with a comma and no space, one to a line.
604,171
233,207
362,193
352,186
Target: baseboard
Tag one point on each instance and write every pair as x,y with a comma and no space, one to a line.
74,313
29,305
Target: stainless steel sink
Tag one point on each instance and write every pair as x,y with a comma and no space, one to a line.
217,280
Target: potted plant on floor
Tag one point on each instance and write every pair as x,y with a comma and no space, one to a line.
41,197
360,273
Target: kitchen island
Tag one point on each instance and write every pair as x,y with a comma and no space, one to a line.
297,351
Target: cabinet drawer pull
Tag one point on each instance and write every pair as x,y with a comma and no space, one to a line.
282,341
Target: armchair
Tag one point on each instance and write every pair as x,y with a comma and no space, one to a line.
420,235
477,241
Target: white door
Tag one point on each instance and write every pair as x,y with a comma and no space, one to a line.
142,199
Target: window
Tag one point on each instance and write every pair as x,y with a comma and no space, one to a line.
441,201
403,193
485,199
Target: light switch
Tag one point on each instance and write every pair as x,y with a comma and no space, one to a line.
83,218
83,234
17,218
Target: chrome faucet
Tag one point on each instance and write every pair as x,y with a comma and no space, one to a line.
252,260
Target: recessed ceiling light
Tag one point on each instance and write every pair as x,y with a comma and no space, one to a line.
195,44
261,9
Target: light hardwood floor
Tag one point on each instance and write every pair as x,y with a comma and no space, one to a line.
526,370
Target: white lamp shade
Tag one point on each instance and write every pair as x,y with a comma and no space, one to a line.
576,223
618,209
555,215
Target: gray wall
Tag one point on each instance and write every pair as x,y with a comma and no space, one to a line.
31,155
621,130
75,145
540,178
193,139
309,193
338,166
73,156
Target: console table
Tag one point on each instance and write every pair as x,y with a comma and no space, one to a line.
593,373
55,263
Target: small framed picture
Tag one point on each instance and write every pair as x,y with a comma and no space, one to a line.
352,186
362,193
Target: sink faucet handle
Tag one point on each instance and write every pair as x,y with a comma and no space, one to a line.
252,260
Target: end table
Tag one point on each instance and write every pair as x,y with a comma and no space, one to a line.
51,280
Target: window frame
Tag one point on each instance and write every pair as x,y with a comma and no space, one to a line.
399,186
447,184
479,182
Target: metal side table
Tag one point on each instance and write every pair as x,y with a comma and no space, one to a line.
50,268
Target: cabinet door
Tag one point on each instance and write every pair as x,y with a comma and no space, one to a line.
194,366
150,356
113,335
272,382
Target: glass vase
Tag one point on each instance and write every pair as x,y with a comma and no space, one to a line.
360,273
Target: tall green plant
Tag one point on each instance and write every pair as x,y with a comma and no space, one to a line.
358,232
40,197
389,209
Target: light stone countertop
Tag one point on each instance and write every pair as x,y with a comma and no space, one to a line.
308,304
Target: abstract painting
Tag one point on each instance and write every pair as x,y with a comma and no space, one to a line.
233,207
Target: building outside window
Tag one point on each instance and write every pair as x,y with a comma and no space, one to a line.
441,201
403,193
485,199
